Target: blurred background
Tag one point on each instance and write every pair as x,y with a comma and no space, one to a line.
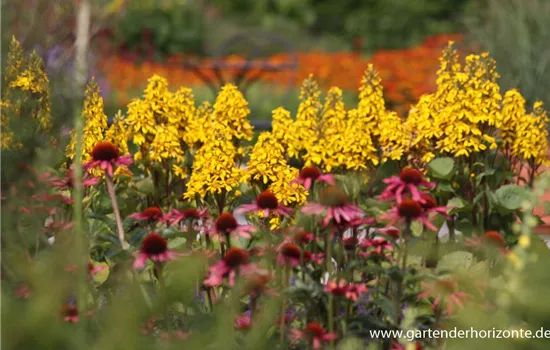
268,47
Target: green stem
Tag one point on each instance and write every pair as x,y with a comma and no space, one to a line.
286,278
116,210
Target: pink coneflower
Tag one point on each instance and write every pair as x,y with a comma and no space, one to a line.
107,156
189,216
92,269
490,240
266,203
154,247
310,175
23,291
338,289
334,204
150,213
408,210
256,285
313,333
380,245
355,290
243,322
351,291
430,206
409,181
289,254
233,260
302,237
390,231
444,291
350,243
226,224
70,313
68,180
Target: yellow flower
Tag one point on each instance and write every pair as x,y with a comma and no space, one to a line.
214,168
95,124
231,110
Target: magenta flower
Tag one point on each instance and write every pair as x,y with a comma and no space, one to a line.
379,244
226,224
444,291
107,156
243,322
289,254
151,213
187,215
310,175
235,259
154,247
313,333
351,291
430,206
266,203
408,182
355,290
335,206
68,180
408,210
70,314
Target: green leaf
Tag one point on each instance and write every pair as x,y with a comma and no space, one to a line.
510,196
455,204
442,168
455,260
351,344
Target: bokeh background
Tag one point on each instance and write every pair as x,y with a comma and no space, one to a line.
269,47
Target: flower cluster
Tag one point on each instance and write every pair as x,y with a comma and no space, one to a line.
27,88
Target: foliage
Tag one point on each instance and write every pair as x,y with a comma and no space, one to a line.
156,29
380,24
406,74
512,31
341,207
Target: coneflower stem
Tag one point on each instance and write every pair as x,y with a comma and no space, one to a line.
330,308
286,277
116,210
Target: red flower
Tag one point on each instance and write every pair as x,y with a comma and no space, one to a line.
235,258
266,203
68,180
303,237
289,254
151,213
408,210
154,247
313,333
188,215
227,224
490,240
351,291
309,175
106,156
336,207
70,314
408,182
444,291
243,322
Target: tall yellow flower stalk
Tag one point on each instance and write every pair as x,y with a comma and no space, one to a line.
306,126
96,129
462,117
27,90
268,169
215,172
231,110
531,142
